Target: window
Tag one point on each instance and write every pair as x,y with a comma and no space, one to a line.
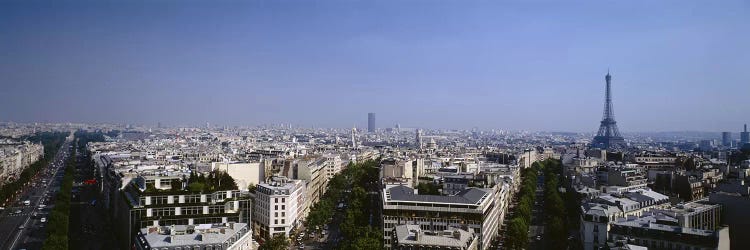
275,207
276,200
283,199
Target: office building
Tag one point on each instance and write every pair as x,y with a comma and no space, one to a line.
279,205
744,136
412,237
371,122
474,210
225,236
145,208
726,139
658,231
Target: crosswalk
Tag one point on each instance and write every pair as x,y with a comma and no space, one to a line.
16,215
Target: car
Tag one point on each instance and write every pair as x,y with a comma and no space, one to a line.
43,220
18,211
21,227
538,237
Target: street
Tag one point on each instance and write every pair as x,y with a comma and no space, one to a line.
536,229
20,224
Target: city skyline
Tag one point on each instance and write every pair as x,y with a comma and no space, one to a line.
504,66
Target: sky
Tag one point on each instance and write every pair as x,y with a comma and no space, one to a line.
516,65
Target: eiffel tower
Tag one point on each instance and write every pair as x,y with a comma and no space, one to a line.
608,136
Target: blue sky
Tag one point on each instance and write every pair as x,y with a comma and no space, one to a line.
532,65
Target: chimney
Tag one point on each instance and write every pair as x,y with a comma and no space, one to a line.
457,234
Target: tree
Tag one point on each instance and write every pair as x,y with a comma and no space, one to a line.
277,242
252,187
517,234
176,185
196,187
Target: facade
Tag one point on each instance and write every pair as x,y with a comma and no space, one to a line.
598,215
698,214
474,210
371,122
660,232
17,156
412,237
279,205
726,139
243,173
179,208
226,236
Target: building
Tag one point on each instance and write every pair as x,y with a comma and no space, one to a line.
313,169
225,236
143,209
371,122
279,205
744,136
598,214
698,214
243,173
726,139
657,231
474,210
16,157
412,237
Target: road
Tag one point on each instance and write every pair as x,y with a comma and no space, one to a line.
536,229
19,227
91,219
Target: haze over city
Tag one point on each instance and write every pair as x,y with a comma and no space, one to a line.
676,65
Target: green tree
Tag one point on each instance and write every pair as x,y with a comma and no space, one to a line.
517,234
277,242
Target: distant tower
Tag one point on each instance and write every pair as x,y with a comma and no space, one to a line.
418,140
354,137
744,136
371,122
608,135
726,139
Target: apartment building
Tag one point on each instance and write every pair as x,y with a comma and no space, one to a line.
138,208
17,156
224,236
412,237
279,206
474,210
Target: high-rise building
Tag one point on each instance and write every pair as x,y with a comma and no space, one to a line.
354,137
608,135
370,122
418,139
744,136
726,139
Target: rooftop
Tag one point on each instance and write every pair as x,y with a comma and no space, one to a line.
472,196
191,235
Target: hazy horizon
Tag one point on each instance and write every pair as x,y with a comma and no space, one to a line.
536,66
